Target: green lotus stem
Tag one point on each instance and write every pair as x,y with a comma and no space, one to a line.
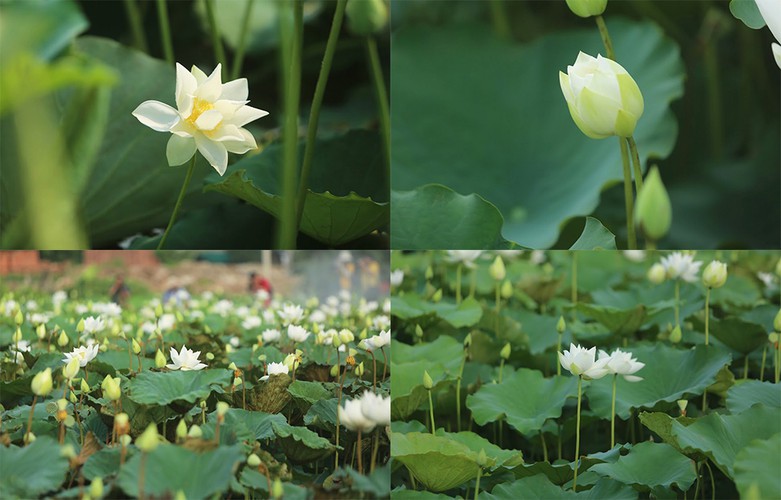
30,419
431,410
677,302
129,356
707,313
556,355
776,361
374,372
165,31
574,294
603,32
385,363
136,27
171,221
705,400
339,403
472,282
745,368
497,290
376,447
559,442
358,450
501,27
238,58
477,483
613,415
381,94
697,488
712,482
458,392
314,113
631,236
577,436
636,162
458,284
219,51
544,447
713,86
762,369
290,34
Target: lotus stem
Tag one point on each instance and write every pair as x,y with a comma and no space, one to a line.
501,27
238,59
762,369
556,354
458,284
219,51
385,363
544,446
613,415
603,32
381,94
707,313
165,31
375,448
431,410
458,392
477,483
178,205
712,482
631,236
497,291
30,420
374,372
677,302
574,295
141,467
472,283
636,163
136,26
359,449
577,436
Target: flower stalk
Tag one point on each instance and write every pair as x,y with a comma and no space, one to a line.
238,59
219,51
165,31
707,312
381,94
577,436
628,196
613,414
178,205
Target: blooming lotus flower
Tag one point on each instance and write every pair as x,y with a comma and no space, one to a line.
581,361
84,354
377,341
622,363
376,408
185,360
297,333
715,274
396,277
93,325
291,313
275,369
587,8
771,13
352,417
465,257
603,99
270,335
681,266
210,117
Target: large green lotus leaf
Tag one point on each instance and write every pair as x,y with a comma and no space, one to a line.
407,384
737,291
658,300
756,468
539,486
170,469
468,114
347,197
310,392
302,445
103,463
437,462
248,425
595,236
252,478
444,350
668,375
618,321
419,216
411,306
721,437
649,465
497,456
403,494
746,393
377,483
539,329
662,425
161,388
43,27
762,315
322,414
32,470
735,333
526,399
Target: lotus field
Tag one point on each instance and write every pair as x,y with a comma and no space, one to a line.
200,396
586,374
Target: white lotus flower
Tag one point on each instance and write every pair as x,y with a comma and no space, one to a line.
84,354
275,369
376,408
681,266
715,274
93,325
210,117
622,363
377,341
290,313
297,333
465,257
185,360
251,322
771,13
396,277
581,361
602,97
352,417
270,335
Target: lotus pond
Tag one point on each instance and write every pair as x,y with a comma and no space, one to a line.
200,396
585,375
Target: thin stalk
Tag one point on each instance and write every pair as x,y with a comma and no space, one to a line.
574,285
745,368
559,442
677,302
631,236
498,306
374,372
458,284
697,488
713,86
712,482
458,392
165,31
776,361
613,415
136,26
182,192
381,94
501,26
556,354
707,313
141,468
603,32
577,437
238,58
636,163
30,419
219,51
358,450
314,113
374,451
544,447
385,363
291,91
431,410
762,369
477,483
472,283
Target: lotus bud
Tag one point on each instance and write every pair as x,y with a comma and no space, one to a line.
202,404
653,211
63,339
80,326
84,386
232,366
222,408
507,289
148,440
587,8
419,332
121,421
104,346
676,335
715,274
656,274
427,382
68,451
71,368
125,439
364,334
778,268
17,336
112,389
682,404
346,336
505,352
468,340
602,97
236,381
437,296
209,356
497,269
72,397
253,460
40,331
777,321
366,16
96,488
482,459
277,490
262,358
359,369
160,360
18,318
179,317
228,348
561,325
116,330
195,432
336,341
159,310
429,273
42,383
335,370
136,347
29,438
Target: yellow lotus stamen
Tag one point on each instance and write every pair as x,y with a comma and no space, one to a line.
200,106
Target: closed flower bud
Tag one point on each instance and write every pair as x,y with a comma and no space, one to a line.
334,370
80,326
121,421
84,386
195,432
71,368
359,369
202,404
72,397
657,274
160,360
505,352
253,460
112,389
209,356
40,331
587,8
653,212
136,347
482,459
96,488
181,429
507,289
346,336
159,310
148,440
29,437
42,383
429,273
676,335
222,408
236,381
561,325
336,341
419,331
468,340
68,451
62,340
277,490
366,16
437,296
427,382
497,269
682,404
715,274
602,97
232,366
125,439
18,318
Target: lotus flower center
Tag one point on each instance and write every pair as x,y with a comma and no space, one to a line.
200,106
